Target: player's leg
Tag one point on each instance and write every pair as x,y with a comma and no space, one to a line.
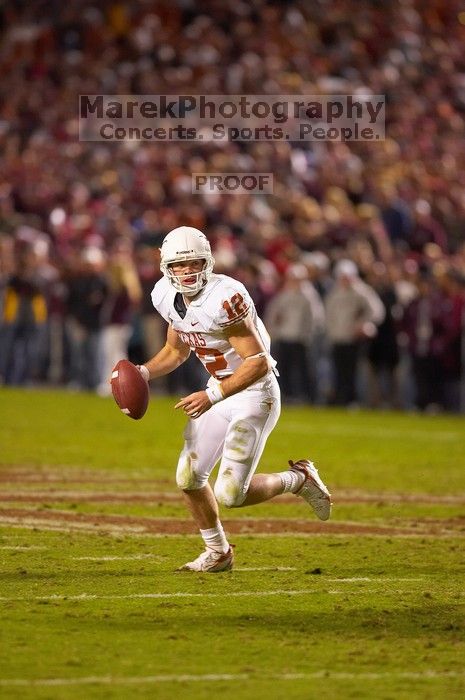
237,485
203,506
301,479
204,439
254,413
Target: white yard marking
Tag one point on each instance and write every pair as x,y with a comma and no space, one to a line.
362,579
327,675
23,548
112,530
265,568
231,594
136,557
129,557
38,524
136,596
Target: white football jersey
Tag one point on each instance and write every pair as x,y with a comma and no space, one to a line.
221,303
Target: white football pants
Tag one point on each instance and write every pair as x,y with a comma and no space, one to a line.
235,429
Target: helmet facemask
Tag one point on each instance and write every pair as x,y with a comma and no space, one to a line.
191,289
182,245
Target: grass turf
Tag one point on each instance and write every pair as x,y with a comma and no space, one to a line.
350,617
370,451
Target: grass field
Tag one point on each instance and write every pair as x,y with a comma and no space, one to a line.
368,605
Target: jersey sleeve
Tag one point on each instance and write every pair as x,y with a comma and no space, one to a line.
231,303
160,300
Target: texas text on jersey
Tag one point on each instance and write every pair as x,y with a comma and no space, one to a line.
202,325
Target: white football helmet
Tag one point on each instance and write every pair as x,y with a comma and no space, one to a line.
180,245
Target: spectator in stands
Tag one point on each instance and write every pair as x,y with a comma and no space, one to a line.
86,294
396,216
353,312
319,274
426,229
422,323
289,321
152,326
22,325
85,194
452,338
383,350
124,297
317,265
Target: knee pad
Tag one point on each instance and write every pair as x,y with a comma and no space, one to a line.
240,442
187,477
238,453
229,489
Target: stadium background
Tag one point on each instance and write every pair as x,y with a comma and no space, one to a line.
367,605
71,210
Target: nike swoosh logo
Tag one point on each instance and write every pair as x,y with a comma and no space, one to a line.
195,324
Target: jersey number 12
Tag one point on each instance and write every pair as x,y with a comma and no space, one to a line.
235,307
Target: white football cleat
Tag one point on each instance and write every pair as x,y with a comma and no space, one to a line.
313,489
211,562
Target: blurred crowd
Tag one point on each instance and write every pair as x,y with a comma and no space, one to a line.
356,262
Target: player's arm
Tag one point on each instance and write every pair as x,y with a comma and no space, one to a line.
173,353
245,341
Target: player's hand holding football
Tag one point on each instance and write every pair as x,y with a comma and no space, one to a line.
195,404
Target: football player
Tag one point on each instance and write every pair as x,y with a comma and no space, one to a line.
214,316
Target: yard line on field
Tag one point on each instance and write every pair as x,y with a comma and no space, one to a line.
361,579
445,435
367,675
82,526
130,680
88,529
84,597
136,557
265,568
220,677
25,548
356,579
129,557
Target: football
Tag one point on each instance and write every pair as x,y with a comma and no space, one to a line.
130,390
